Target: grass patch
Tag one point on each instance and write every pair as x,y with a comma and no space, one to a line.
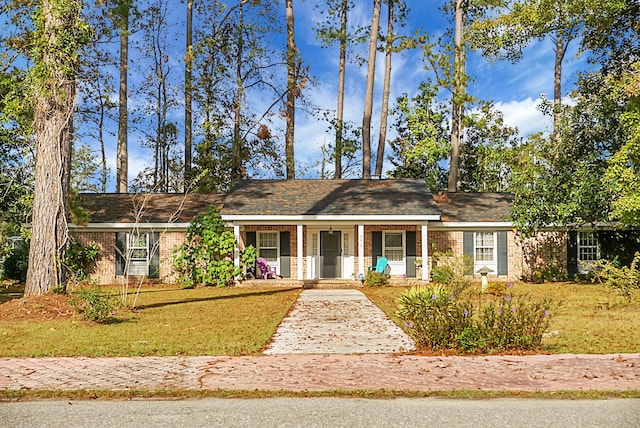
463,394
167,321
590,320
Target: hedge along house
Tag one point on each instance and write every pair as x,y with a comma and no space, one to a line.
136,233
337,229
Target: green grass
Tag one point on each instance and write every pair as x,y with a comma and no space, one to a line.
166,321
589,320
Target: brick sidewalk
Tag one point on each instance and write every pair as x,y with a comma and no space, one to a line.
326,373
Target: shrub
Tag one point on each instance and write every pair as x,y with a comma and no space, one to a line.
207,256
16,263
624,279
496,288
94,305
437,320
80,259
433,316
452,270
513,325
375,279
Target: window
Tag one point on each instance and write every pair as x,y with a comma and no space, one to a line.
588,250
485,247
138,247
138,253
393,248
268,246
485,251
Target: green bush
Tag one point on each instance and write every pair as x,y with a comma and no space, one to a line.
16,263
433,316
375,279
80,259
207,256
437,320
624,279
94,305
453,271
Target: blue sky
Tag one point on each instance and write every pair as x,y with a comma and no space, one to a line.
515,88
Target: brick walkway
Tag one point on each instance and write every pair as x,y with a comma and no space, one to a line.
326,372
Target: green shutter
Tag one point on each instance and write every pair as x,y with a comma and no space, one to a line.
572,253
121,246
411,253
154,248
376,247
467,251
503,256
285,254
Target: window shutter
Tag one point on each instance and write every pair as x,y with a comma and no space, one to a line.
572,253
121,248
154,253
251,239
467,251
503,256
285,254
411,253
376,247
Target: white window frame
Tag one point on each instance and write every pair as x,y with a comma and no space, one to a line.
587,241
138,266
491,264
398,267
260,247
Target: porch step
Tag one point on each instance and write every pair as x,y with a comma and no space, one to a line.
331,283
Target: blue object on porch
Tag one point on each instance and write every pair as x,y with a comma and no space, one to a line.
382,266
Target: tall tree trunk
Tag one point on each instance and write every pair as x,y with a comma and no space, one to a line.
557,86
236,158
368,100
385,92
292,92
56,65
103,108
459,95
122,161
187,97
341,76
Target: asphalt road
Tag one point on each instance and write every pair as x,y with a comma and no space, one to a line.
324,412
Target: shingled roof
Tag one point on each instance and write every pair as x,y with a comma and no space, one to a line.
330,197
474,207
154,207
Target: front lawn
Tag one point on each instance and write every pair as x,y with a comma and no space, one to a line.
590,319
166,321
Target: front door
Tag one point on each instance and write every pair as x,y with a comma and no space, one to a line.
330,255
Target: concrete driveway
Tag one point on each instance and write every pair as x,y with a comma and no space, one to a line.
337,322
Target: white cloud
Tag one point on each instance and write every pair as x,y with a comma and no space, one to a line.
525,116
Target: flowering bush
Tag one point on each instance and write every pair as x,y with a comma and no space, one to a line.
433,316
436,319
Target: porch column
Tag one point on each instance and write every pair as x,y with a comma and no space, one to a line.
425,253
236,250
300,229
361,269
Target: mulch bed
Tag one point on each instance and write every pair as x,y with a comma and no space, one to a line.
48,307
